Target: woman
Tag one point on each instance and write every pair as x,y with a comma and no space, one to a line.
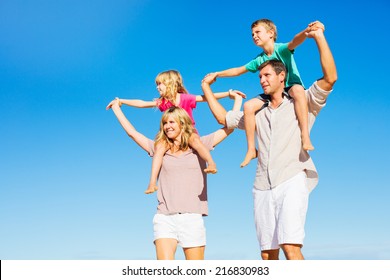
182,192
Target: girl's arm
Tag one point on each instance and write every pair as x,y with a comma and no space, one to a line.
219,95
138,138
138,103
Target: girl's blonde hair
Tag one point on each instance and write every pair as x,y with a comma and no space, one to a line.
174,84
268,25
185,124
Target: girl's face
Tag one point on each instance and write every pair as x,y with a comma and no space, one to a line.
172,128
162,89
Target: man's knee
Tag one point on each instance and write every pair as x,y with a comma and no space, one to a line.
292,251
270,254
250,107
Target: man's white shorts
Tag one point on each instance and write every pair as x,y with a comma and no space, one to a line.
280,213
187,228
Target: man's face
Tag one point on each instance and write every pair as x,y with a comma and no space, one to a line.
270,81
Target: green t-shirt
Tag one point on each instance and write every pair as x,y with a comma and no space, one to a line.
283,54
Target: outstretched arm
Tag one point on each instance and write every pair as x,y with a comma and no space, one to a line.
301,36
219,95
138,103
327,61
138,138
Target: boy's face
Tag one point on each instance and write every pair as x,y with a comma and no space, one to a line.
260,35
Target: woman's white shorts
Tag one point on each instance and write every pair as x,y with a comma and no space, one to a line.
187,228
280,213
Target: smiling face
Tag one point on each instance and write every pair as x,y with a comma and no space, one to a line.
175,129
172,128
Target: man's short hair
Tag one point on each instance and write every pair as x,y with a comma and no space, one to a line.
277,65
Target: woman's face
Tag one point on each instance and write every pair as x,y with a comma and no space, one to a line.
172,128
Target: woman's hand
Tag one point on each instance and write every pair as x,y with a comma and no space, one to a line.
114,103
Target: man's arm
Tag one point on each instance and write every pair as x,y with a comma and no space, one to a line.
216,108
327,61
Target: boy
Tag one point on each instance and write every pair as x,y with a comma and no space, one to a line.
264,34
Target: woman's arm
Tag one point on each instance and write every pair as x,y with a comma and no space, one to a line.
221,135
138,138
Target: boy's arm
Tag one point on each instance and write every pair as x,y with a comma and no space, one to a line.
297,40
301,36
231,72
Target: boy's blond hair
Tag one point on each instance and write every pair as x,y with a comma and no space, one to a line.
268,25
174,84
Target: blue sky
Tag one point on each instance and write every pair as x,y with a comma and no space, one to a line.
72,182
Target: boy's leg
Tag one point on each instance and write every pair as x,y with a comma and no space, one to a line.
297,92
250,108
156,166
204,153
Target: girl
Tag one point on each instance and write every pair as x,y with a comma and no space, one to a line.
173,93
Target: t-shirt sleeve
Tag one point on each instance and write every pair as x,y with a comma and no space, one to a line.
316,97
208,141
283,49
150,150
253,65
188,101
235,119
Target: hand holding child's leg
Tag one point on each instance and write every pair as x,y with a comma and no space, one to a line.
250,108
297,92
204,153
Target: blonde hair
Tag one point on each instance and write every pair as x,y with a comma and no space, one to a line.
185,124
268,25
174,85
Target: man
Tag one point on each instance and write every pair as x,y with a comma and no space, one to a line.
285,173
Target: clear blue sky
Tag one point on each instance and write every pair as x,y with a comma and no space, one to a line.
72,182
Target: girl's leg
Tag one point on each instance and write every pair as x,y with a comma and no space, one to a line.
250,108
297,92
194,253
165,248
204,153
156,166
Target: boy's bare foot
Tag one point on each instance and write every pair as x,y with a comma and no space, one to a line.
151,189
211,168
248,157
306,144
